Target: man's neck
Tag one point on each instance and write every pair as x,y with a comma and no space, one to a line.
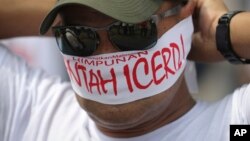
180,105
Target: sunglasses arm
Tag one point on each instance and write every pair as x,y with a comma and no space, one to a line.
168,13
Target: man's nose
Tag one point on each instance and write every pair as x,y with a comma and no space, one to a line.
105,45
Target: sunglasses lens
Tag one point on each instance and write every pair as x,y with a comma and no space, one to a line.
133,37
80,41
77,42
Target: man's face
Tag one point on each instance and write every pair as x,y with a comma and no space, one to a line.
133,114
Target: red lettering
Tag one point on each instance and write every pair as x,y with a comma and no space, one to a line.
131,57
74,58
99,63
142,53
71,73
81,67
128,80
109,63
156,68
97,81
89,62
175,48
112,80
146,71
166,61
121,59
94,82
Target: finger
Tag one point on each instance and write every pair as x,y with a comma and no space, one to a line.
188,9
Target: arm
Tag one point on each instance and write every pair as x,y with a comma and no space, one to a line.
240,34
207,15
22,17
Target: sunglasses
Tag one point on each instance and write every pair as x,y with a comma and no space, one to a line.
83,40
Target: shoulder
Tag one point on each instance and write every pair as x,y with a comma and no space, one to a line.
242,94
241,104
243,90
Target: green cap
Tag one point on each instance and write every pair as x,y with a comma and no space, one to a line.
130,11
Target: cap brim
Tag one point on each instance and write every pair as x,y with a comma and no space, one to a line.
130,11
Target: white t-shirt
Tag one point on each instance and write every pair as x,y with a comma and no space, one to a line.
37,107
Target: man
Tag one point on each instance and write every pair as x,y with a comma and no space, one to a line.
118,100
126,60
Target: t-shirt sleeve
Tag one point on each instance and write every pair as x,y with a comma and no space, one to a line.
13,92
22,89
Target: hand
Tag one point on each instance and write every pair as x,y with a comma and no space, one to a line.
206,16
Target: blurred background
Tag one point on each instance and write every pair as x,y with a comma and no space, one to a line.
214,80
217,80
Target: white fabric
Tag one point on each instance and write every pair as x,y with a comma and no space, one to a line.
38,107
123,77
35,106
39,52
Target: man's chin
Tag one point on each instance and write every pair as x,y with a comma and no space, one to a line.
116,117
